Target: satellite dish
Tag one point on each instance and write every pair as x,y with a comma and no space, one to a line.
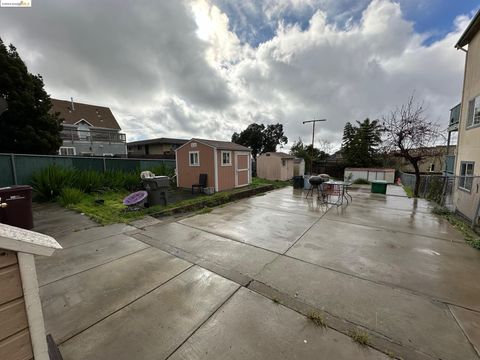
3,105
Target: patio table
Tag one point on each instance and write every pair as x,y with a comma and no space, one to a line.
339,188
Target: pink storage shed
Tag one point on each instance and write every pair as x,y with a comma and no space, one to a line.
226,164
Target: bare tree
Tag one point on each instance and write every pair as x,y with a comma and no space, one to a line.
408,134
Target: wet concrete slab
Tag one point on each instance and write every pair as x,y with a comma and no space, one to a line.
418,263
411,320
155,325
228,253
292,204
391,202
72,304
470,323
250,326
67,262
92,234
268,229
410,222
54,220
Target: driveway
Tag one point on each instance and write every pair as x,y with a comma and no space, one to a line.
238,282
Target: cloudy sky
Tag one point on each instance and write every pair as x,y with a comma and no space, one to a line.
207,68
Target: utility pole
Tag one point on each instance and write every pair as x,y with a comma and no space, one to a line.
313,137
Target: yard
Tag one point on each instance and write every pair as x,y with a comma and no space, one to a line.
100,195
273,276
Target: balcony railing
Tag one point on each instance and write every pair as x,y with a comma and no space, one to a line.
92,136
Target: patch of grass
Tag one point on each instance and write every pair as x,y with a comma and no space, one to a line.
205,210
317,319
408,190
70,196
362,182
113,211
470,236
359,336
277,184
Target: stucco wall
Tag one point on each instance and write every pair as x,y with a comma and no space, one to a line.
468,146
188,175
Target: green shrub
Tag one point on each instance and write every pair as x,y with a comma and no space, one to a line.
361,182
88,180
49,182
70,196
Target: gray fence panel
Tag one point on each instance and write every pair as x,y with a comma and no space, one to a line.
26,165
6,171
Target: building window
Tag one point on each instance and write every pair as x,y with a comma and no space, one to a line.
226,158
466,175
284,162
194,158
139,147
473,112
66,151
431,168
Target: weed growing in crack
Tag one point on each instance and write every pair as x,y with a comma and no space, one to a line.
317,319
359,336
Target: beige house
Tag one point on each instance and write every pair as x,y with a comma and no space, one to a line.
275,166
434,161
467,163
160,147
226,164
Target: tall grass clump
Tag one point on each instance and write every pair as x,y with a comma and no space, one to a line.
70,196
49,182
88,180
163,170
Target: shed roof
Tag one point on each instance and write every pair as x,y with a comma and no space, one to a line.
470,32
222,145
280,155
97,116
158,141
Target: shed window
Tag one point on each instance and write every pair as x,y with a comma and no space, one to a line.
284,162
466,175
473,112
194,158
226,158
66,151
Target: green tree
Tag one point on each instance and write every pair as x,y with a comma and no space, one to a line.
261,138
27,126
272,137
300,150
360,143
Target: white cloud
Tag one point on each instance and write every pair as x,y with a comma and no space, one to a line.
178,70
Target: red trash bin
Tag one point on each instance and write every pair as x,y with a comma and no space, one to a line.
17,206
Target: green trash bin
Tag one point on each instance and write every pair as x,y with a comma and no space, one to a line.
379,187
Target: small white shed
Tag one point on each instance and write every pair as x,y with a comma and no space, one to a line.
370,174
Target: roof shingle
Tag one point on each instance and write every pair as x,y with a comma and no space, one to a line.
97,116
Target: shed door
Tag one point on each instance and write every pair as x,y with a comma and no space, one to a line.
242,168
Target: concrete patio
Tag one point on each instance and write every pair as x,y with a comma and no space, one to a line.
237,283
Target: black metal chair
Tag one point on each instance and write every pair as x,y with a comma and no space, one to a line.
202,183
